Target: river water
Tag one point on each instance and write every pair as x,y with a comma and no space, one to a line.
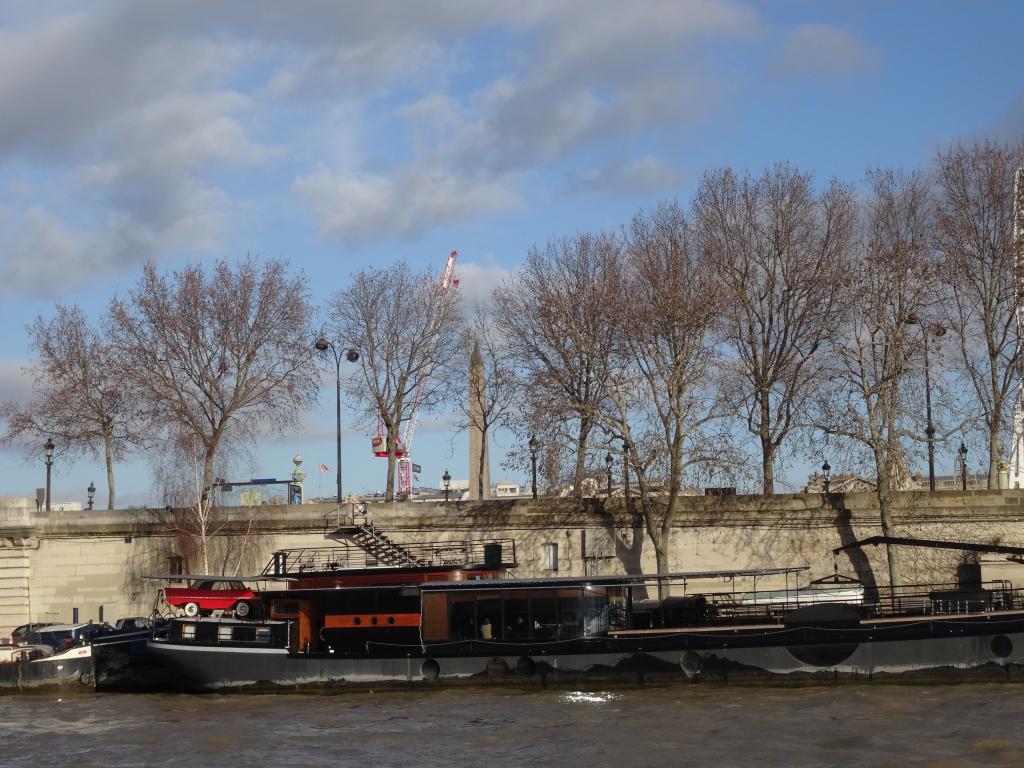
691,725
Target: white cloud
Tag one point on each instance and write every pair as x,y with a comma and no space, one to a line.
823,50
15,382
477,281
646,175
372,207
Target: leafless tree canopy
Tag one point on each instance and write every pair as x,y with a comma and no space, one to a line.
407,336
555,312
661,398
886,308
974,236
83,398
781,251
218,350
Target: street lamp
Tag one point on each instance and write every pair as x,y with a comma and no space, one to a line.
91,490
962,452
447,479
826,472
608,466
929,430
533,462
322,345
49,465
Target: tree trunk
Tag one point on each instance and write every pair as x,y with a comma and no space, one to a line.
661,561
767,448
108,455
389,493
768,466
208,478
993,457
581,457
888,529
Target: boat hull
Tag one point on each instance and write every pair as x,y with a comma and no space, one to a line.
69,669
940,650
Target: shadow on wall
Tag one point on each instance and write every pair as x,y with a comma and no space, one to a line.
858,559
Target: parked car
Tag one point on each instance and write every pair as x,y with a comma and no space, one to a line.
60,636
19,635
203,596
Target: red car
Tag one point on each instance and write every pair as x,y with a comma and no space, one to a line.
206,594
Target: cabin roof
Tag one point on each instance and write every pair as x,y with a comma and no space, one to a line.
608,581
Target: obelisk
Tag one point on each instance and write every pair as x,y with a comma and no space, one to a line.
479,461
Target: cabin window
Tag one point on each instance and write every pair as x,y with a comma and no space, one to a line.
549,557
488,614
544,613
263,635
188,631
176,567
517,616
244,634
224,633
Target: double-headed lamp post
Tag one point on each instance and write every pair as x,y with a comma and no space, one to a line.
826,472
91,490
322,345
608,466
533,463
962,453
48,448
929,430
447,480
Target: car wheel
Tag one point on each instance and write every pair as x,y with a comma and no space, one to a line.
242,609
191,610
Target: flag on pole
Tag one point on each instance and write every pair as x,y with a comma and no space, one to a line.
324,468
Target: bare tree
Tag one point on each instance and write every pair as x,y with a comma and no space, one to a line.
82,395
218,351
407,333
867,398
974,234
781,251
661,395
555,312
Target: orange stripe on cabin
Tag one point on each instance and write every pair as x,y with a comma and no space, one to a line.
371,620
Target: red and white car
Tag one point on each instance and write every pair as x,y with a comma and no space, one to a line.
206,594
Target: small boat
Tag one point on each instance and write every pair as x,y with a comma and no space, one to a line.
444,618
38,665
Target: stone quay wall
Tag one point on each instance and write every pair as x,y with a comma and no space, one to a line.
93,564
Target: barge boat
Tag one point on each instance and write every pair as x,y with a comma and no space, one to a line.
450,614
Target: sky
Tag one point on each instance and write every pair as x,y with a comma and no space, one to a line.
341,135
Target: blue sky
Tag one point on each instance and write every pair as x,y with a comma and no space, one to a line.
341,135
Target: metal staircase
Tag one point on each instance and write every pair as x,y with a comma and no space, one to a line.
355,527
381,548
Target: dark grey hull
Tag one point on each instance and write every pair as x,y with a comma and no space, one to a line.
70,669
653,659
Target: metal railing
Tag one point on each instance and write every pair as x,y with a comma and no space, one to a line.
882,602
496,553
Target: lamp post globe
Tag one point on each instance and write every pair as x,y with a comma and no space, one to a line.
48,449
826,472
533,464
322,345
447,480
608,467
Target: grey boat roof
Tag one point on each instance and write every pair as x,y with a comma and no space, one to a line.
610,581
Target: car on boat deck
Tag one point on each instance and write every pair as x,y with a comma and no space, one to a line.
203,596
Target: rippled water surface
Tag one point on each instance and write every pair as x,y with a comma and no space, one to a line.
853,725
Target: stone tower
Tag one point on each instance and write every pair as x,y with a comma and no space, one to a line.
479,460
